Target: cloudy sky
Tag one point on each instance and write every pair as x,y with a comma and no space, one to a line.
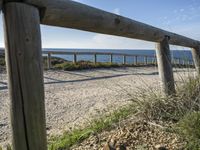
180,16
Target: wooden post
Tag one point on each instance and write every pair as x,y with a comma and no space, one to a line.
111,58
175,61
49,60
95,58
136,61
24,65
196,58
146,60
165,67
152,60
124,59
156,62
188,63
172,61
184,62
179,61
75,58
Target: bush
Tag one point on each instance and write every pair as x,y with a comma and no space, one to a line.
69,66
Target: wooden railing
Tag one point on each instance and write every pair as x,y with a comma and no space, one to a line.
22,21
95,55
135,58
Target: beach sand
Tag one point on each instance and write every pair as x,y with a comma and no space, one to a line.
74,98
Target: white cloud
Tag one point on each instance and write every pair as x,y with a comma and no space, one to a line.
116,11
100,41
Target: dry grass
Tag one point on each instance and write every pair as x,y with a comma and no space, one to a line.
158,107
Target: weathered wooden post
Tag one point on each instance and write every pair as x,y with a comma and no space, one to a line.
165,67
184,62
23,54
146,60
196,58
49,60
156,62
136,60
75,58
111,58
124,59
95,58
175,61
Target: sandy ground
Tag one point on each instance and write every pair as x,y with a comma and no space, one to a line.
74,98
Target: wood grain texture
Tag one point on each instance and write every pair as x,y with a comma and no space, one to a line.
196,58
23,54
165,67
70,14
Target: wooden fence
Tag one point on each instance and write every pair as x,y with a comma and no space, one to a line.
136,59
22,21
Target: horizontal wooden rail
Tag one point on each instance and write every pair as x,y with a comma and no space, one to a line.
55,52
92,53
70,14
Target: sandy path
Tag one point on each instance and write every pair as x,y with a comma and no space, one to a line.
73,98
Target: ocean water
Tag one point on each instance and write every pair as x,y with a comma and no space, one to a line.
183,55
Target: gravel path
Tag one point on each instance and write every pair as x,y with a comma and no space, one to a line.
74,98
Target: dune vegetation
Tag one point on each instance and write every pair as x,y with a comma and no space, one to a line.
175,119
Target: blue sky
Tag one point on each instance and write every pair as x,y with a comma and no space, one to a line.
180,16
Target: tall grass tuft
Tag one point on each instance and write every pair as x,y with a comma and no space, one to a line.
171,108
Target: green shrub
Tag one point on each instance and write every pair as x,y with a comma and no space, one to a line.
69,66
